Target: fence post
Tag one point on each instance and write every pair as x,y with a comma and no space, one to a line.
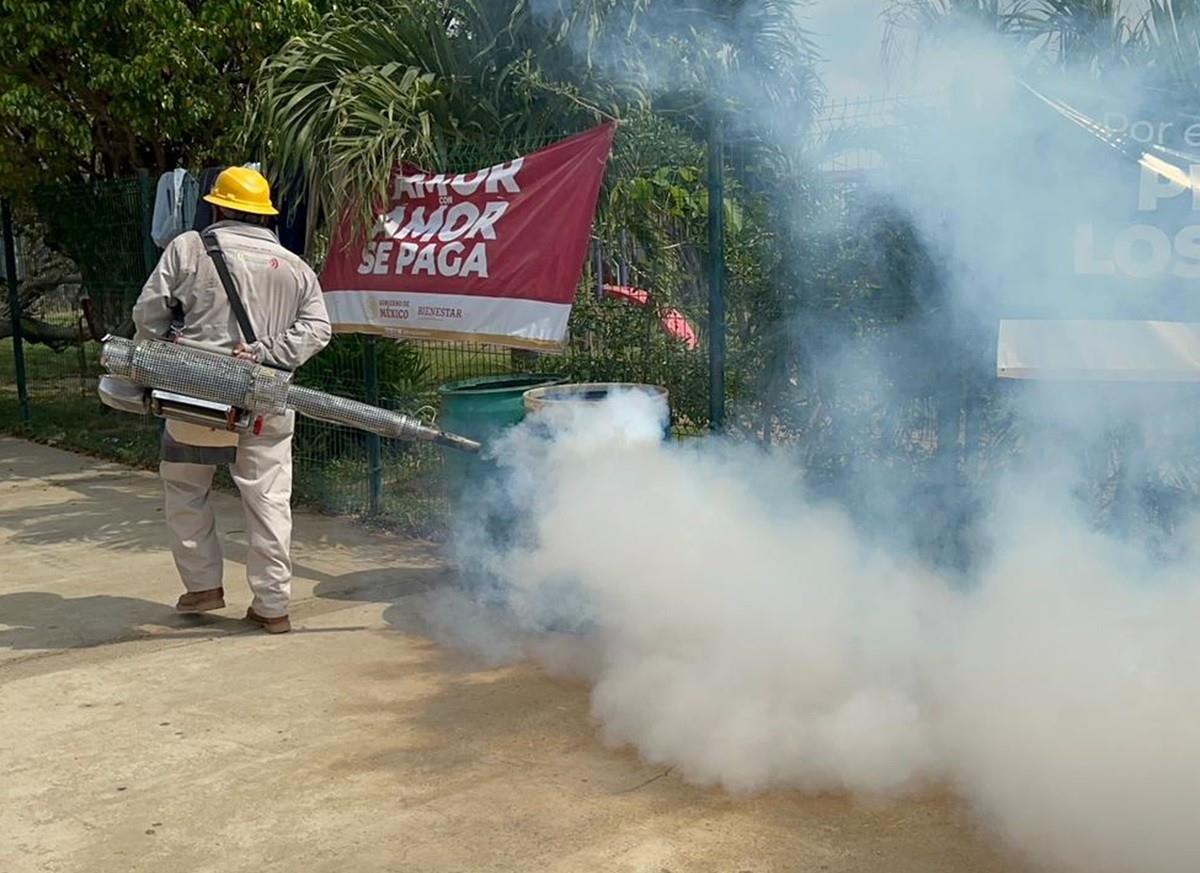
14,308
146,209
374,448
716,272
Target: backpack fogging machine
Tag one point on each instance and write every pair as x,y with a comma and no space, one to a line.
173,380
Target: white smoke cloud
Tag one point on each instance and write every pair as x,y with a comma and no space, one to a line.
747,633
751,638
1068,697
849,34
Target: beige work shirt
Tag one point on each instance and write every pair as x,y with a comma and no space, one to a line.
279,290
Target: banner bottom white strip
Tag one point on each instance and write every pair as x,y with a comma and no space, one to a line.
529,322
1116,351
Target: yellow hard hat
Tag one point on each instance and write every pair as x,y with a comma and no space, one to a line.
244,190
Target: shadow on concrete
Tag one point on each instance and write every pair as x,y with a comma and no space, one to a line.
515,715
40,620
377,585
521,730
22,460
107,507
89,518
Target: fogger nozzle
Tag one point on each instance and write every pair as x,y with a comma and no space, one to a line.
246,385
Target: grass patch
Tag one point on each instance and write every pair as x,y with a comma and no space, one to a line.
337,482
44,365
68,421
65,411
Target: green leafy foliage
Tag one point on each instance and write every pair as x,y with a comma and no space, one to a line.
419,80
400,369
99,88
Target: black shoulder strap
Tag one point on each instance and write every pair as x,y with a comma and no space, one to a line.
235,301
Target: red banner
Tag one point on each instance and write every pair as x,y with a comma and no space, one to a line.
493,256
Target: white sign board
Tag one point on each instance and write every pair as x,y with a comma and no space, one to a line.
1117,351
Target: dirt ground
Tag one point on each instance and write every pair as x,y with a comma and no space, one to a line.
134,739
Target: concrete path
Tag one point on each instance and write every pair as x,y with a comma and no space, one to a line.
133,739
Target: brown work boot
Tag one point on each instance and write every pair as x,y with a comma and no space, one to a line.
279,625
201,601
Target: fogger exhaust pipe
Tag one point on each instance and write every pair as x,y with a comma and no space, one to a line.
246,385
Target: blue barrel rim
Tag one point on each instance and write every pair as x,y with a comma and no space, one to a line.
499,384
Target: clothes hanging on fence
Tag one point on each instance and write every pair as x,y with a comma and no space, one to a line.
292,224
175,202
204,210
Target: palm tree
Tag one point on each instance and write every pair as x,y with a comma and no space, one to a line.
910,24
339,107
1100,37
1096,35
433,82
1169,36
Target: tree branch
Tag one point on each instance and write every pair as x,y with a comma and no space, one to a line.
56,336
40,284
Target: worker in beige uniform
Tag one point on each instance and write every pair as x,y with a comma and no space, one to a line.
286,312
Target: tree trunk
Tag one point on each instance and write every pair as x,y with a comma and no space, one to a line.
56,336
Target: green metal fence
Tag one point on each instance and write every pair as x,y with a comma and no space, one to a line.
88,246
773,395
792,297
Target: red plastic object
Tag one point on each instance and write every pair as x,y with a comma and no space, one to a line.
673,321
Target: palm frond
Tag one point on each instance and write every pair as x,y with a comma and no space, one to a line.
417,80
1171,36
909,24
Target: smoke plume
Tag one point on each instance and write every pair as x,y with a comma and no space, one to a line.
754,632
752,638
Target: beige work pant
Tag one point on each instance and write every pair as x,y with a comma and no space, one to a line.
263,474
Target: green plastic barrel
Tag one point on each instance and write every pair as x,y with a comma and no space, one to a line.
482,408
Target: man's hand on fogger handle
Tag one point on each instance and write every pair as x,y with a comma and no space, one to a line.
246,353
